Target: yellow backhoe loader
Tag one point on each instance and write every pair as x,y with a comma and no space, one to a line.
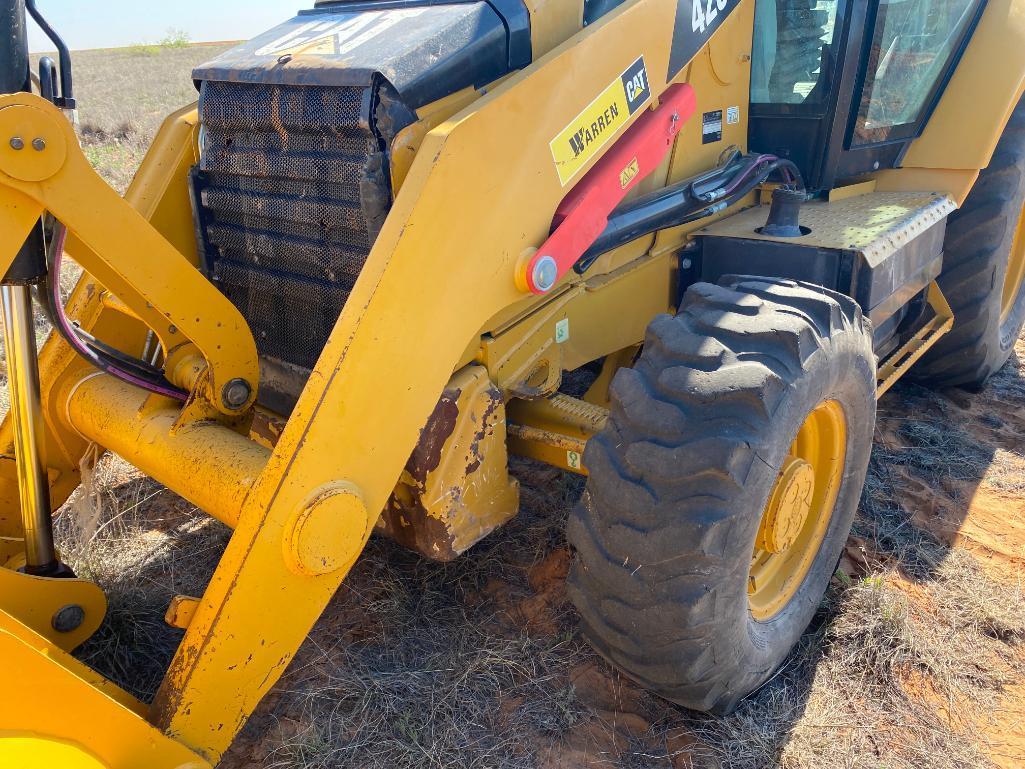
350,280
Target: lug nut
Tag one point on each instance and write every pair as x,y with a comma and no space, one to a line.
17,143
39,144
545,273
236,393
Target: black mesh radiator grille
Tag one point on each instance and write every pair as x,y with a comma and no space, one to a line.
290,193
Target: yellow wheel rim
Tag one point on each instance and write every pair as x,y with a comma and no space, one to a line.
1015,270
799,510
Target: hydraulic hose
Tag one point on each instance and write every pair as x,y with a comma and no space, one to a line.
117,364
688,201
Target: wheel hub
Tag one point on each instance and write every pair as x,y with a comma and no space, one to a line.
788,507
798,511
1015,275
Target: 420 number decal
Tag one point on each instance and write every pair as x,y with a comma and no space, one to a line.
705,13
696,20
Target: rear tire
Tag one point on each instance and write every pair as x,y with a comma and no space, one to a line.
983,238
699,429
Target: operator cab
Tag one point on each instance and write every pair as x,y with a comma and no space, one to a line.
842,87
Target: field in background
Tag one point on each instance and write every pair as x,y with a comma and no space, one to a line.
124,94
915,660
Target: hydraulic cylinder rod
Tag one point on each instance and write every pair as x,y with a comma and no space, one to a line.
14,59
20,333
26,413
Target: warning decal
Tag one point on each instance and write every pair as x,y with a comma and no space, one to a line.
627,174
711,127
599,122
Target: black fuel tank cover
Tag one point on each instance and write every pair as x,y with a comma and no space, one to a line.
426,51
784,215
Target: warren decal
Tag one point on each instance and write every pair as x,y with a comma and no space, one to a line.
599,122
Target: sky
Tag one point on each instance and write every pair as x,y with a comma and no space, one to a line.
115,23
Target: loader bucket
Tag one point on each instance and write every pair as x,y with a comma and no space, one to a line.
59,705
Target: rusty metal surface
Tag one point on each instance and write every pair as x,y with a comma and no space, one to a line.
455,488
266,427
547,437
555,430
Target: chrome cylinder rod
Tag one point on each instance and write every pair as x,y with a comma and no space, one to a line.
27,415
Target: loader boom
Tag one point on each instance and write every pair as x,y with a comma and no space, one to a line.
451,292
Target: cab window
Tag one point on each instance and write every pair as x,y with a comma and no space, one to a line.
790,61
912,44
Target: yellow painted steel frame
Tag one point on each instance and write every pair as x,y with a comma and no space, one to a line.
119,247
159,194
479,193
358,418
305,518
62,714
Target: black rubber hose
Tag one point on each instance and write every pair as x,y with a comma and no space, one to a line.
645,214
679,204
136,372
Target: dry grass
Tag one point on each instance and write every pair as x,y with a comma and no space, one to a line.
144,545
124,95
478,663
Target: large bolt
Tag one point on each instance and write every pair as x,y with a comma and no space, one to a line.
236,393
68,618
17,143
39,144
545,273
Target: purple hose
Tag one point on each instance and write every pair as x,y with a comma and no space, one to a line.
749,171
69,333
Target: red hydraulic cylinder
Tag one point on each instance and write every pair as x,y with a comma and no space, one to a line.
584,213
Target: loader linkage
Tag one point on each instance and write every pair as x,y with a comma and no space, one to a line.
349,280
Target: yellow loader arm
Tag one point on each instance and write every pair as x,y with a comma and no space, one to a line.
305,518
441,291
67,716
